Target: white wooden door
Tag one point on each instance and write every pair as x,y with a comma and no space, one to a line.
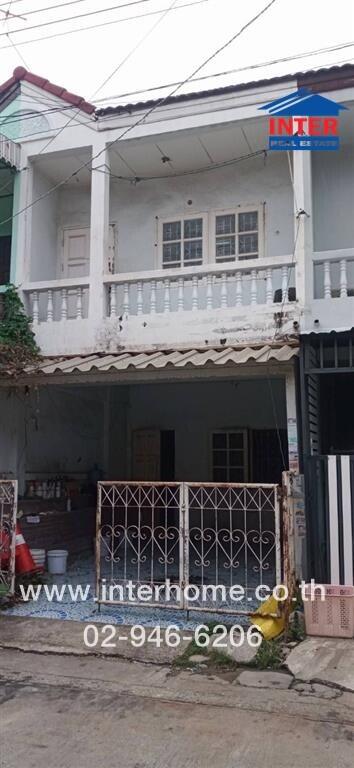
76,252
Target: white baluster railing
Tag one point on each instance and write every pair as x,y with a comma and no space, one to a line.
50,308
343,281
334,274
113,302
180,299
327,280
59,300
206,288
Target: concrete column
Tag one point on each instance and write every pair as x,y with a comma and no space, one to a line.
99,234
13,436
292,426
303,220
22,224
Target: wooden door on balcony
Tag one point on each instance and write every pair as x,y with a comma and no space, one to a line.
76,252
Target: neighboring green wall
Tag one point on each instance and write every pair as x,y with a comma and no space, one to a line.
6,204
7,179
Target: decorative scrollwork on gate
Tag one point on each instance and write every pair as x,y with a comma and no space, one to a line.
8,510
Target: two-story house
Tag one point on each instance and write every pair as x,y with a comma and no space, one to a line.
173,267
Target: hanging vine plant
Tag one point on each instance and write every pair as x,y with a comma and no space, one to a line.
18,346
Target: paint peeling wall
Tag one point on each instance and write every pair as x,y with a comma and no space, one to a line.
135,208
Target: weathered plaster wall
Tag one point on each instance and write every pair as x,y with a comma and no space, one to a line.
135,208
43,264
194,411
64,430
333,199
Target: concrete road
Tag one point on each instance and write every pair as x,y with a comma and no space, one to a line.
71,712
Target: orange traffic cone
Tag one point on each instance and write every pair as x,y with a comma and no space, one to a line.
24,559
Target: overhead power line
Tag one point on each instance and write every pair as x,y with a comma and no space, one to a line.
247,68
103,24
141,119
117,68
53,7
78,16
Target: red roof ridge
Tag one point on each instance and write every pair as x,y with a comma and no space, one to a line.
20,73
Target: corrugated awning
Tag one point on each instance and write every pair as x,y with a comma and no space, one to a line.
158,360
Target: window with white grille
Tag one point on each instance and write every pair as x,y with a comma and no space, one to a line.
237,235
183,242
229,456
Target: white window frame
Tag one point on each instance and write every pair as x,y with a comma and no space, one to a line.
230,431
182,218
236,211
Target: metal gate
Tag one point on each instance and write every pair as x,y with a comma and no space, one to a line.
174,540
8,512
329,483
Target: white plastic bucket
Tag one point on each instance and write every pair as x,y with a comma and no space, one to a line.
57,561
38,556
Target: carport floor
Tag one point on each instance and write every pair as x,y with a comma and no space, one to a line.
81,572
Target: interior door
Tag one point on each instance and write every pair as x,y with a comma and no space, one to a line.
75,262
146,454
76,252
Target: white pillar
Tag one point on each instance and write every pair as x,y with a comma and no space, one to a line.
22,224
303,220
106,431
291,415
99,234
13,436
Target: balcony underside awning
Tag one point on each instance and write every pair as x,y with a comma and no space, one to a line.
126,362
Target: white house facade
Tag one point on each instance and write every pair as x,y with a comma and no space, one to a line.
172,266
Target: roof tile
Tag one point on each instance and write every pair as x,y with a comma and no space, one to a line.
20,74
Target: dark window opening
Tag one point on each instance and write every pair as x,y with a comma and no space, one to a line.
167,455
5,259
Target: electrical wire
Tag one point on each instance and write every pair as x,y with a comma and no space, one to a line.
104,24
78,16
138,44
192,172
55,109
284,299
249,67
142,118
53,7
117,68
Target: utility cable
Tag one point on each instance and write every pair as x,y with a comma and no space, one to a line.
103,24
143,117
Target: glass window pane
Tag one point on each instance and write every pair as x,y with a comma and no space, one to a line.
220,458
225,248
248,244
193,252
220,475
171,253
236,458
219,440
171,230
225,225
247,222
236,475
193,228
236,440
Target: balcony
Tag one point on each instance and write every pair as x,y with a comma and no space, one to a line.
202,304
333,302
164,307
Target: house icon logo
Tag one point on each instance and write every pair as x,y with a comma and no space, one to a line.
303,120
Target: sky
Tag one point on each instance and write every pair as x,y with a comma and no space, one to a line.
181,40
